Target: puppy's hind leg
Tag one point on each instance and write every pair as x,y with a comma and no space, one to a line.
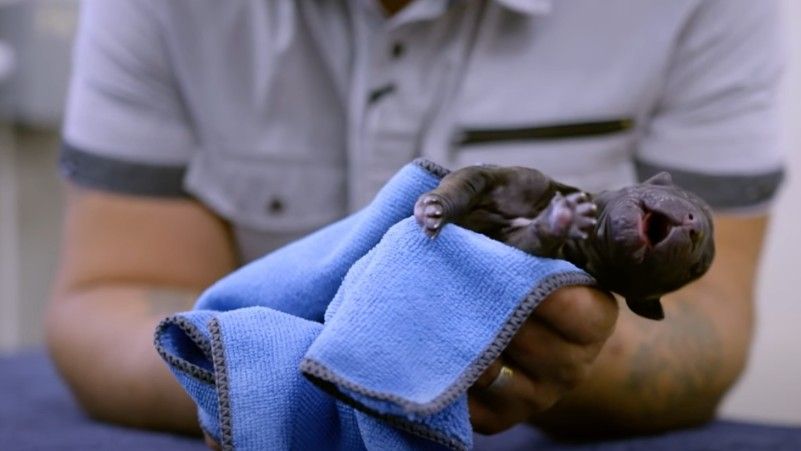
455,196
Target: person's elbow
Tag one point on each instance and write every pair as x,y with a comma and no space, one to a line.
65,350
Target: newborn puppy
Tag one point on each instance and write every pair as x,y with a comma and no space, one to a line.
641,241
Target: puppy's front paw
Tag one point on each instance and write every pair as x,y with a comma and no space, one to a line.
572,215
584,219
429,211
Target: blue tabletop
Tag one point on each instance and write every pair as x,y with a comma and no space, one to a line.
38,413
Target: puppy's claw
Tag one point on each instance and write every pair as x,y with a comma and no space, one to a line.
587,209
430,214
580,235
574,199
433,210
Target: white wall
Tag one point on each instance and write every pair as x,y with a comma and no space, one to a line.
9,287
41,31
771,387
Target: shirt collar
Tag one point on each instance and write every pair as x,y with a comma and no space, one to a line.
429,9
528,7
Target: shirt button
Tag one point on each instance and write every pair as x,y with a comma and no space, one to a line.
275,206
397,50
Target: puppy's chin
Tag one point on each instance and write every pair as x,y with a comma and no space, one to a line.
638,262
650,239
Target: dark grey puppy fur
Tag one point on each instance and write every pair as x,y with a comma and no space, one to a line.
642,241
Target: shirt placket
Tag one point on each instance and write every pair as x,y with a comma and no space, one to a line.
394,109
386,134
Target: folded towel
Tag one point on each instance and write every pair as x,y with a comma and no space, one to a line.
409,324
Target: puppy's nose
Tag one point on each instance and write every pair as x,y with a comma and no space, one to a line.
694,226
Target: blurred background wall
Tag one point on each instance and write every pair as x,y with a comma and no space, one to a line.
31,103
39,32
770,388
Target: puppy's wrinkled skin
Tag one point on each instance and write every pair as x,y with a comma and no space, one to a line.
641,241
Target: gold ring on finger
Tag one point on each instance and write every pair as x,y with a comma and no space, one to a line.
503,379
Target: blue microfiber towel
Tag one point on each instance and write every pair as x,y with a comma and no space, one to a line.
394,325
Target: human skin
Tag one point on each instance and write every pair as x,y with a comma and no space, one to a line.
129,261
126,263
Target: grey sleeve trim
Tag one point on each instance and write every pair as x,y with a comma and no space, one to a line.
721,191
119,176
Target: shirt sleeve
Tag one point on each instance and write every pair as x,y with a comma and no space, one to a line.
716,128
126,128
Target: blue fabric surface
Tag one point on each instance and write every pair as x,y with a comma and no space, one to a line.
394,325
38,413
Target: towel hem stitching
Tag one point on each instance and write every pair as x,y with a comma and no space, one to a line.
196,337
320,372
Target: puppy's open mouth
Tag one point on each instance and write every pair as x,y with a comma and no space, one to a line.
654,227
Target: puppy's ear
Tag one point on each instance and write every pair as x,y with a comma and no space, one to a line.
663,178
647,308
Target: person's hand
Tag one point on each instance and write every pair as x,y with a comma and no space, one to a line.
551,354
210,442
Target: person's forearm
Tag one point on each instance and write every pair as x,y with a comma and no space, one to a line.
655,376
101,339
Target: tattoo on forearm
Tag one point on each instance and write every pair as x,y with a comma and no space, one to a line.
678,364
164,301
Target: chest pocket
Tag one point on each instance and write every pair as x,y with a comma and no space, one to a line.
554,132
592,154
269,194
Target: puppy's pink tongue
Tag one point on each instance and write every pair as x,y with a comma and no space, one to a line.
643,228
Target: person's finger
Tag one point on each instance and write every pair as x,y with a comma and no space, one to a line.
513,390
510,399
211,443
486,420
489,375
509,387
580,314
496,407
546,357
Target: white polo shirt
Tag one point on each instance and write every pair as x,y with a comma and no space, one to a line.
285,115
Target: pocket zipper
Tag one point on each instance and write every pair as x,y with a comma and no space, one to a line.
467,137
